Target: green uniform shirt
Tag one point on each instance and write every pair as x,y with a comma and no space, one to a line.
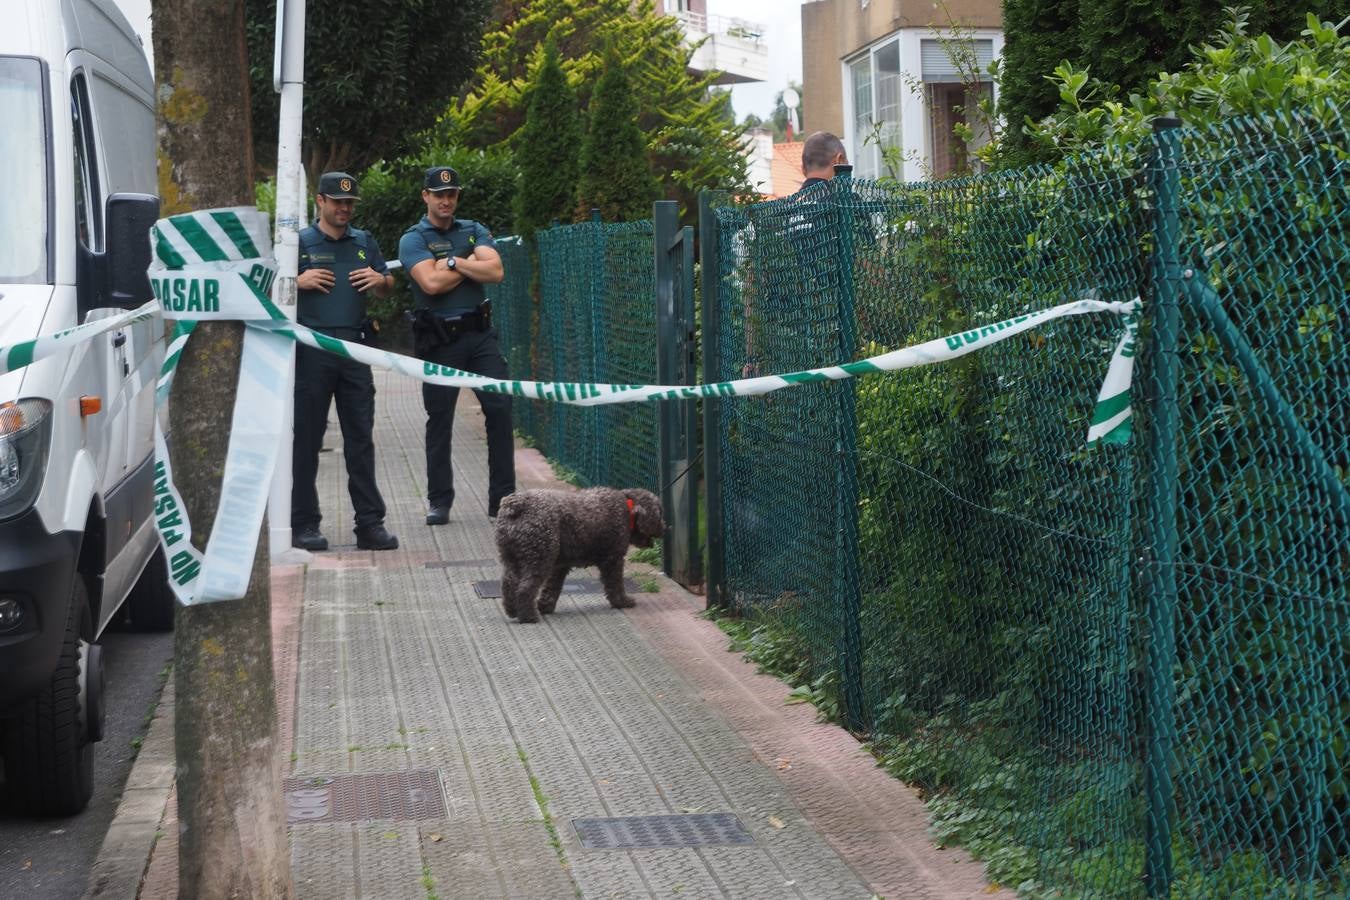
425,241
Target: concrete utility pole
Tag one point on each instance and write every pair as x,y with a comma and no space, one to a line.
288,79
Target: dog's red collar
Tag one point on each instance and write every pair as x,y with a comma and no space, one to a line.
632,518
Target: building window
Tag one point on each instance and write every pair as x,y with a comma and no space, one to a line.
865,161
955,61
938,88
877,88
886,62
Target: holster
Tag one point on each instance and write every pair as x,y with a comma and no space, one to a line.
431,331
370,331
428,331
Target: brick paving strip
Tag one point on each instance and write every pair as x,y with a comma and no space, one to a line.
390,665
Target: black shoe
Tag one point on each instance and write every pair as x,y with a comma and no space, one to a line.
438,515
375,537
309,538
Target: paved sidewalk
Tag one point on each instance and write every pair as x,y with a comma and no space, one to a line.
439,750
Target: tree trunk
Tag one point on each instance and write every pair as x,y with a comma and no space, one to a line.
232,828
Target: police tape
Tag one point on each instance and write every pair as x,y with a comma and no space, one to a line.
1114,394
25,353
208,267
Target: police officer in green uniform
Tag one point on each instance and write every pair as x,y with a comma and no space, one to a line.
449,260
339,265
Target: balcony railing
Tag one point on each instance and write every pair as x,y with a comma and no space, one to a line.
703,23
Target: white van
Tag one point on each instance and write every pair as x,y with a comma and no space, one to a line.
77,200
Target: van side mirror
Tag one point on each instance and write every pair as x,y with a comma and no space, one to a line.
129,220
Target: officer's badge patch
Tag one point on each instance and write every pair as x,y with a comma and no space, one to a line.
361,255
345,184
445,177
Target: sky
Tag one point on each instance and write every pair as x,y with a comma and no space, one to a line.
783,21
783,33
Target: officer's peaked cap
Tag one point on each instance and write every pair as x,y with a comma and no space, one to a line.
441,178
338,185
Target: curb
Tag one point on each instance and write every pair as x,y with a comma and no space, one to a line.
126,850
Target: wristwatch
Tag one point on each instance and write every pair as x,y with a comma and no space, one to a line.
449,264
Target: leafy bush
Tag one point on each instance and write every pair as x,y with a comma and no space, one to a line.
1234,74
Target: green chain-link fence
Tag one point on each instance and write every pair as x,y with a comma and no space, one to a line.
985,595
595,322
1114,671
514,316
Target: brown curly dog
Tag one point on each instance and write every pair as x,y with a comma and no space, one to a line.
542,535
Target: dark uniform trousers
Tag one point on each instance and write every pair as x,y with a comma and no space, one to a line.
477,352
319,378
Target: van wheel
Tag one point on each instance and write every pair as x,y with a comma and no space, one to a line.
49,757
151,603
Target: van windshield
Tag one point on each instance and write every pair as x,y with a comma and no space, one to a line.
23,173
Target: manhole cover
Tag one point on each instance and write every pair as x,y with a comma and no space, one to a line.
455,563
492,590
661,832
411,794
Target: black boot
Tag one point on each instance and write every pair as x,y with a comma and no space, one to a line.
375,537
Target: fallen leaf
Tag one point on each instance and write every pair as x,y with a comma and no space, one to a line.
784,763
776,822
604,781
436,837
27,864
993,888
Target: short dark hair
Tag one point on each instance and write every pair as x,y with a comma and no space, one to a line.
820,149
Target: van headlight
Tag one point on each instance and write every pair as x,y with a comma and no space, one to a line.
25,435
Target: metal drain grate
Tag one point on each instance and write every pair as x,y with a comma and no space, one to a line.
492,590
456,563
661,832
411,794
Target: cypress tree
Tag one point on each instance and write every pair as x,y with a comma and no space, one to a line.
616,175
1037,34
549,145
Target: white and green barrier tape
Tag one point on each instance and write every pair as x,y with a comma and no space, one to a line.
211,265
208,266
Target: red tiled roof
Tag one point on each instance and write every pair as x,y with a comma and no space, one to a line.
785,169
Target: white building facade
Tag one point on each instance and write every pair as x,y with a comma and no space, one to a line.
897,85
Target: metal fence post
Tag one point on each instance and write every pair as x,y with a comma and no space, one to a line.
600,352
678,418
688,413
710,249
848,584
1162,526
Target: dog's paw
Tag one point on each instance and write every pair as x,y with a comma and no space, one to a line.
624,602
528,620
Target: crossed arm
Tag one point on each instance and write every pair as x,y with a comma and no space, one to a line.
433,276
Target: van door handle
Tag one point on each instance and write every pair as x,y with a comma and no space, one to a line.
119,339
